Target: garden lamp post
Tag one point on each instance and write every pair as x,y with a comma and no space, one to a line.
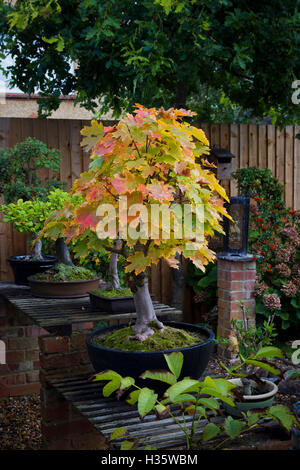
236,232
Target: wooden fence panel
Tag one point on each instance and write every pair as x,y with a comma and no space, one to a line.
253,145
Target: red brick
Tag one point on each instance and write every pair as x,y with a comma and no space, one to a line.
26,389
36,365
56,412
15,356
22,343
78,341
33,377
59,361
83,326
35,331
15,379
32,355
20,366
54,344
58,431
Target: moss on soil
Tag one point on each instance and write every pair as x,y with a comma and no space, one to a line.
64,273
123,292
169,338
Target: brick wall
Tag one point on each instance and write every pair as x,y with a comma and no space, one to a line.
20,374
63,427
236,281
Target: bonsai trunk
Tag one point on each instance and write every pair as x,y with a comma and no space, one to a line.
113,266
144,308
62,252
37,250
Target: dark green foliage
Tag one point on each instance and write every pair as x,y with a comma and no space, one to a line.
63,272
123,292
19,166
129,52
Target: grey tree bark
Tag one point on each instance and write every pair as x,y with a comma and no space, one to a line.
37,250
113,266
62,252
144,308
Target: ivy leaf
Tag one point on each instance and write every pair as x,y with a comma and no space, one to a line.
268,351
252,417
175,362
163,376
146,401
185,385
117,433
210,431
127,445
282,414
233,427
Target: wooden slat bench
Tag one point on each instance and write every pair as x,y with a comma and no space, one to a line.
107,414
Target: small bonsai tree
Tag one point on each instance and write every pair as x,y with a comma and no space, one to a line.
19,171
30,216
148,162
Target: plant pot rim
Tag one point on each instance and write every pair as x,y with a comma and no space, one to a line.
55,283
210,334
102,297
262,396
16,259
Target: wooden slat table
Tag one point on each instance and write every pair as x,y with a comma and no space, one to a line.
107,414
59,314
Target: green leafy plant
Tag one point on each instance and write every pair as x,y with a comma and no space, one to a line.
30,216
64,273
199,401
113,293
19,171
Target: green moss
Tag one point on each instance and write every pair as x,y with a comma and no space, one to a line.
123,292
64,273
169,338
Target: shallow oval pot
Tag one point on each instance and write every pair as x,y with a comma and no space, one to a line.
134,363
112,304
263,400
62,289
23,268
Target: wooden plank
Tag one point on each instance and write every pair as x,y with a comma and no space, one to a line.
53,141
75,151
289,166
296,169
235,150
85,154
215,135
244,146
64,147
279,155
262,146
253,143
271,148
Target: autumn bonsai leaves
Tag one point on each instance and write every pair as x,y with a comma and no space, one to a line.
145,197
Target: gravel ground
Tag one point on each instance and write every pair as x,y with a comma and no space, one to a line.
20,416
20,423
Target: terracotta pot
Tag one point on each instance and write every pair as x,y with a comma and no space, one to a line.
62,289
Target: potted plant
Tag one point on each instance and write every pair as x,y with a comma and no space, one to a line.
253,346
20,179
146,161
64,279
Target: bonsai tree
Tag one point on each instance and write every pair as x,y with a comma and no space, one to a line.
19,167
30,216
151,161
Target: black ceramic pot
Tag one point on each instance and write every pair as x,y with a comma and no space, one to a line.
134,363
23,268
112,305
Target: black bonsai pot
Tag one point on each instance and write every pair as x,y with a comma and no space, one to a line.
112,304
134,363
23,267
